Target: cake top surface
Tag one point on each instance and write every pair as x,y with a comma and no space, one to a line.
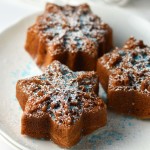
129,66
70,28
61,93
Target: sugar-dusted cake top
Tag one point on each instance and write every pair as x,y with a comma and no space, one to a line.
71,28
61,93
129,66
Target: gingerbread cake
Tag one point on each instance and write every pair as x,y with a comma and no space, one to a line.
71,34
124,74
60,105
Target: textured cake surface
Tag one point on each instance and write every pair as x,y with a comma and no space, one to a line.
68,33
66,98
128,73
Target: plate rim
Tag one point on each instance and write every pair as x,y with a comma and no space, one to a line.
4,135
14,144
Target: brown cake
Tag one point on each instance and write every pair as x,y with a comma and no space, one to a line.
124,74
71,34
61,105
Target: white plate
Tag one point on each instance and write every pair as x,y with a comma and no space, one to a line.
120,133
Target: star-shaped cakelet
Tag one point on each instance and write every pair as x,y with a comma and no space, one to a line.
125,75
71,34
61,105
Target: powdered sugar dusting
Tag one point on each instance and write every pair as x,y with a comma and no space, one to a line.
75,27
130,66
61,93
